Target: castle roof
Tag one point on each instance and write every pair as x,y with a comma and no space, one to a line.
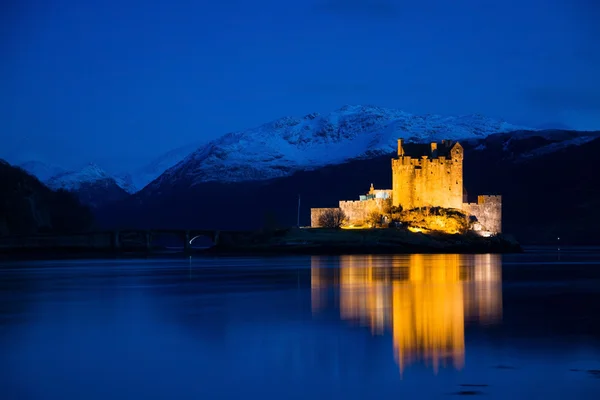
417,150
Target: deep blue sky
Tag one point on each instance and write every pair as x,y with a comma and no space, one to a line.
118,81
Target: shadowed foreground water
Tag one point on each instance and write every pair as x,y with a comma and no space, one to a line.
349,327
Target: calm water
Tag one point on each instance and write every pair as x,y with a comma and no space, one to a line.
349,327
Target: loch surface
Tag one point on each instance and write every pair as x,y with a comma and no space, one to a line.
348,327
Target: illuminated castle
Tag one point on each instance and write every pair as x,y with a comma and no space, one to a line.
424,175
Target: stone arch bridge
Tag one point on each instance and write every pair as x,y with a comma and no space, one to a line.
121,238
118,240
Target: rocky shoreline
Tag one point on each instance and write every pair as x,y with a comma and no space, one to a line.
281,241
364,241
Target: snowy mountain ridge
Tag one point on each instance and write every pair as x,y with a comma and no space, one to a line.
58,177
90,174
555,140
283,146
289,144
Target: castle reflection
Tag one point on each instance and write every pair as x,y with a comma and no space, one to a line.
424,300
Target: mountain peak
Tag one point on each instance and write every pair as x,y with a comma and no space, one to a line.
72,180
56,177
285,145
93,170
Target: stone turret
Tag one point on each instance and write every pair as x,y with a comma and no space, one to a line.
400,148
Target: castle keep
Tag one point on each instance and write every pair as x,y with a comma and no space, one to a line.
423,175
426,175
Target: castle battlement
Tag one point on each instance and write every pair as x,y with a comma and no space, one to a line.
398,162
483,199
352,202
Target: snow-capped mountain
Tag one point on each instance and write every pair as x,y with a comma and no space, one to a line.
90,174
93,186
149,172
525,144
41,170
56,177
556,146
281,147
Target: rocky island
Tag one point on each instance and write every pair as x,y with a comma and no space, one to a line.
361,241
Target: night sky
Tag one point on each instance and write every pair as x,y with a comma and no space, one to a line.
118,82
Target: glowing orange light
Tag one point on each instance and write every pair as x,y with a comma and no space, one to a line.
423,299
416,230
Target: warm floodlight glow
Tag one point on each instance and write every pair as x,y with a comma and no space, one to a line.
423,300
417,230
352,227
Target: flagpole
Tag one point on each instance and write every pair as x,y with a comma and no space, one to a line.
298,211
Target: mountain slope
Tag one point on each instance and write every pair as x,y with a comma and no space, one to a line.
287,145
149,172
92,185
28,206
72,180
520,145
548,186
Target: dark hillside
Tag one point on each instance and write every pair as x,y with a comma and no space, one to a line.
27,206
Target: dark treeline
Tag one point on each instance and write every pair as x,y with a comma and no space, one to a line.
27,206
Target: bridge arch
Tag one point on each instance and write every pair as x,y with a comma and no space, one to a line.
201,240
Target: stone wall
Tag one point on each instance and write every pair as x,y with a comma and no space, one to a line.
358,211
315,214
423,182
382,193
488,211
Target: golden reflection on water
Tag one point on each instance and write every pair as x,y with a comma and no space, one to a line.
423,299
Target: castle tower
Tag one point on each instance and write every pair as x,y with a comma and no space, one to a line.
428,175
400,148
